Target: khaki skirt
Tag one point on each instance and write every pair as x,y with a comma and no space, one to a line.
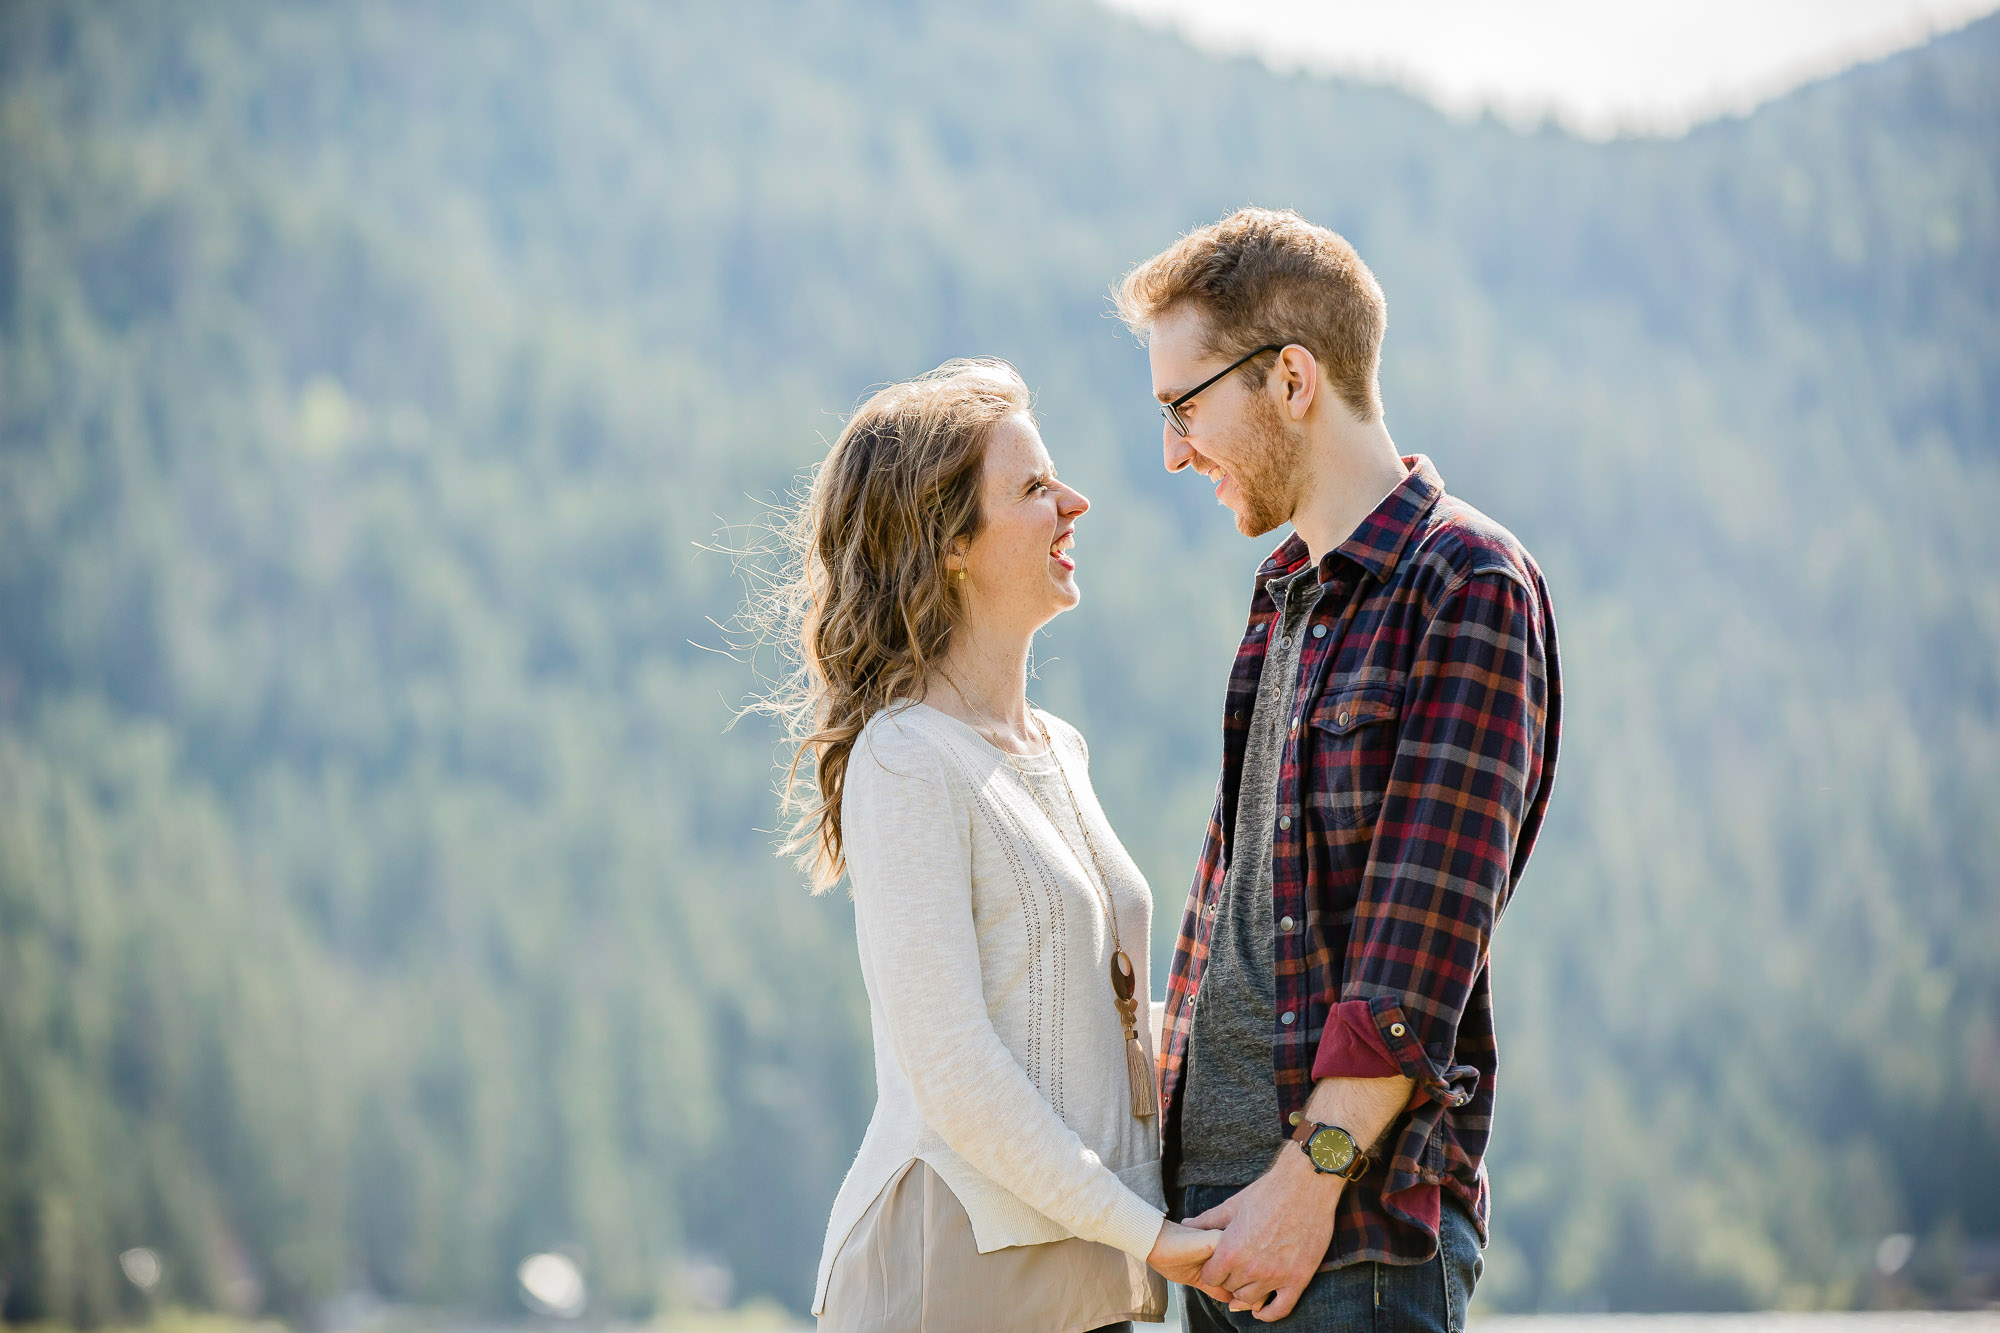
911,1266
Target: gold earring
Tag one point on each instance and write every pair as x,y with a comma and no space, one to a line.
961,576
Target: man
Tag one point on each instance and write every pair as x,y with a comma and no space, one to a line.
1389,740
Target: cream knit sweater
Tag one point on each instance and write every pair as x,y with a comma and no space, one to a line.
999,1059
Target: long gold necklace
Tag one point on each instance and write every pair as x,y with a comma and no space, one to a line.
1138,1069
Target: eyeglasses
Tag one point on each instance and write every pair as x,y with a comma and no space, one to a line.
1172,411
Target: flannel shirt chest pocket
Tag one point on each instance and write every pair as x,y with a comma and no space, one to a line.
1353,733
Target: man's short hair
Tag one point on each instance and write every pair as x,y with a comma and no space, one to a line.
1268,276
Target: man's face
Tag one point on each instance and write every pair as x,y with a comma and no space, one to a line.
1236,436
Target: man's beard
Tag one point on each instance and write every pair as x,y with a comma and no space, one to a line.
1267,471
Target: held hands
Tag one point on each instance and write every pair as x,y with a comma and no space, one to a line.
1278,1229
1180,1252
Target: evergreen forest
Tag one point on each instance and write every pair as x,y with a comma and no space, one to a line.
384,893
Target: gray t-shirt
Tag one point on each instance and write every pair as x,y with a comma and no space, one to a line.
1229,1112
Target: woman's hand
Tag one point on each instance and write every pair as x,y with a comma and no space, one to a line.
1180,1251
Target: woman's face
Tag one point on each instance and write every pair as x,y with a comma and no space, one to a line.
1020,569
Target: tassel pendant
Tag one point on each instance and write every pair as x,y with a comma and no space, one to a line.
1138,1069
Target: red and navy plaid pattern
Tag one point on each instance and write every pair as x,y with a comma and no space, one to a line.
1415,775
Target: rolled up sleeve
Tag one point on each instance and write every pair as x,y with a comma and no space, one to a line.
1441,863
1352,1046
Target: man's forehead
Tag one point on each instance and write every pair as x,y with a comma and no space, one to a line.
1177,347
1180,329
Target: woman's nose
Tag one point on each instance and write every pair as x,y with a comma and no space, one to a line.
1075,503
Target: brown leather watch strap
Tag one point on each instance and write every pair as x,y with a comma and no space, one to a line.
1304,1129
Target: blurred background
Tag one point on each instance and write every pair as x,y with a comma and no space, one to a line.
388,922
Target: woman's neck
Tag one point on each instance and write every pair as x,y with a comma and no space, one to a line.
983,682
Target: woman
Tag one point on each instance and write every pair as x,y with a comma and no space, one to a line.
1010,1176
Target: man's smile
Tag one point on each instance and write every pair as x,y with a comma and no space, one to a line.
1215,475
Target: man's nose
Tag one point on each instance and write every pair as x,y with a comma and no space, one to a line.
1174,449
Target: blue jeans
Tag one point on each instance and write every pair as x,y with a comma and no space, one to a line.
1360,1298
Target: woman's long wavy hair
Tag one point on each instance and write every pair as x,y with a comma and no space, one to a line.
864,607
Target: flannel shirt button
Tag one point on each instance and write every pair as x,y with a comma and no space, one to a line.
1284,821
1397,1029
1295,1117
1287,1018
1341,718
1285,924
1319,631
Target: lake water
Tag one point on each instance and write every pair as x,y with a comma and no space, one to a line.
1898,1322
1885,1322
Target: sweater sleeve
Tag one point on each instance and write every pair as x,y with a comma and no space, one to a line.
906,825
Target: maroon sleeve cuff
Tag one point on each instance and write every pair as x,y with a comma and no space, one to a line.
1380,1024
1351,1045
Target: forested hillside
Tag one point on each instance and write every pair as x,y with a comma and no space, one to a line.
381,896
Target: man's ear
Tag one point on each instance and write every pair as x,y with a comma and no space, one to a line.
1298,381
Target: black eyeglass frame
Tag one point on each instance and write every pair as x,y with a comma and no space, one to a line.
1172,411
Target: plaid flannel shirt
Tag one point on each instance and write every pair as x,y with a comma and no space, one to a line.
1415,774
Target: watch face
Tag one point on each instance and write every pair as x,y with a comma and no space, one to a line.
1332,1149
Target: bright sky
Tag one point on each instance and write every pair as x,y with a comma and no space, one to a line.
1598,67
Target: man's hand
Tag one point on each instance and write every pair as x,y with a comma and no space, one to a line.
1278,1230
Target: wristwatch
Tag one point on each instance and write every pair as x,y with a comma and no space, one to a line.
1331,1150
